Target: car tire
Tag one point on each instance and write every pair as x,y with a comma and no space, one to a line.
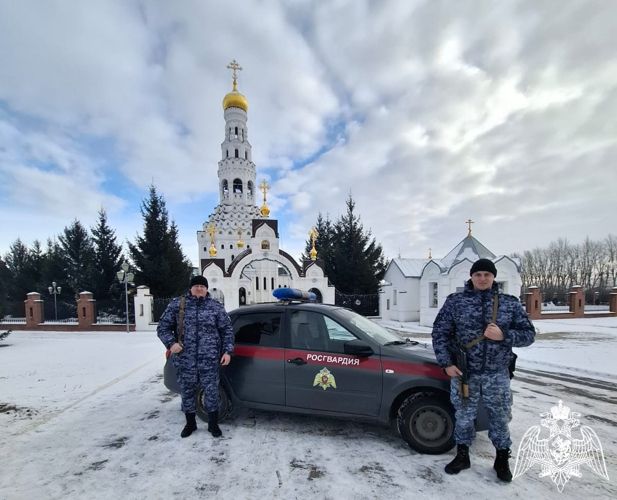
426,423
224,405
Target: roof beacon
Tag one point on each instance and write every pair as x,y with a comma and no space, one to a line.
290,294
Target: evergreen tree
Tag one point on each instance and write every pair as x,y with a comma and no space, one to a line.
353,260
54,266
157,256
78,253
21,276
107,258
324,243
5,278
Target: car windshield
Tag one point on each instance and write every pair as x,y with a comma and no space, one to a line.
378,333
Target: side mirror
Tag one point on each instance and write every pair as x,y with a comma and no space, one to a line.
358,348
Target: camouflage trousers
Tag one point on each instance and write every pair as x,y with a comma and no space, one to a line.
205,377
494,390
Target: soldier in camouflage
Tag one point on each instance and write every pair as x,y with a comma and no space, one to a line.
466,319
208,341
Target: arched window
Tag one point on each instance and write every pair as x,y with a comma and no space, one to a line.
237,154
236,132
222,247
237,186
246,155
249,188
225,186
231,246
227,155
232,257
272,283
265,284
265,245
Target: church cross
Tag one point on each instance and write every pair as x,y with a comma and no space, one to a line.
469,222
264,187
211,231
234,66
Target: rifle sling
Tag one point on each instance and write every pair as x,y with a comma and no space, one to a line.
180,329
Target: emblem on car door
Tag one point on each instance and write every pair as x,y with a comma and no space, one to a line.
324,379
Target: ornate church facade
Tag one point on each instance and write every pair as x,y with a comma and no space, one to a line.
239,250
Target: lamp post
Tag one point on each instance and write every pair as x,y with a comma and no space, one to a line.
125,277
55,290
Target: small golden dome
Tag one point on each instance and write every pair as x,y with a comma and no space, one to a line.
313,253
235,100
212,250
264,210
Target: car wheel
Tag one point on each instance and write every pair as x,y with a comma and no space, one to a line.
224,404
426,423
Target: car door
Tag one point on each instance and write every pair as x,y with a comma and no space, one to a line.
320,376
256,372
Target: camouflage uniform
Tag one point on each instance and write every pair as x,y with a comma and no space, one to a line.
464,317
207,336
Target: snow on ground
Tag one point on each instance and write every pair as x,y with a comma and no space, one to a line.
85,415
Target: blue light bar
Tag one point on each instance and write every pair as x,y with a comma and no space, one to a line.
294,294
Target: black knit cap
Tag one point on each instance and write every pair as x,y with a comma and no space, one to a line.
483,265
199,280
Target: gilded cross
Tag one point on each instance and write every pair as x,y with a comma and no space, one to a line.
235,67
469,222
211,231
313,235
264,187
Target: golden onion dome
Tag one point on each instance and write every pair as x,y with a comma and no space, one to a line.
264,211
235,100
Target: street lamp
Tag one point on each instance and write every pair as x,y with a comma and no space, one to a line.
125,277
54,290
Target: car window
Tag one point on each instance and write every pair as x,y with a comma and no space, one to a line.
315,332
262,329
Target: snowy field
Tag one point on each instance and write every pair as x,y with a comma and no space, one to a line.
85,415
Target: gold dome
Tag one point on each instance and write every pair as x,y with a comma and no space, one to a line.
264,211
235,100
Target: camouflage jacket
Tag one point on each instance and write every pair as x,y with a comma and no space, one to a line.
465,315
207,328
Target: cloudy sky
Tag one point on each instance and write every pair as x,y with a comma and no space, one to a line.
427,112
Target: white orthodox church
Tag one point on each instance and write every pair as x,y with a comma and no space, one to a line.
239,249
415,289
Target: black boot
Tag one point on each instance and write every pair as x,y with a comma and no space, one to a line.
501,465
213,424
190,426
461,460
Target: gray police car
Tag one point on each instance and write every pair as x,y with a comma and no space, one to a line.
319,359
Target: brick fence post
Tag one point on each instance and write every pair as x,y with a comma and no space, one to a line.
533,302
34,310
577,301
612,300
86,311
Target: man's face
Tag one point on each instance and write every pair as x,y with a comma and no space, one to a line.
199,290
482,280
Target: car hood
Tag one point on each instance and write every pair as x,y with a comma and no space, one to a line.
410,352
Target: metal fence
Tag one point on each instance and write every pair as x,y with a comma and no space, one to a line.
364,304
113,311
62,311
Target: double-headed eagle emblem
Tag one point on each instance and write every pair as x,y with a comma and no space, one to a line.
559,455
324,379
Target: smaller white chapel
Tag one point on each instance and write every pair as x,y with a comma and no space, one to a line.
415,289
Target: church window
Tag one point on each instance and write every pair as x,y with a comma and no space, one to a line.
248,246
236,132
246,155
249,189
237,185
237,153
433,294
256,282
222,247
232,257
227,156
265,284
265,245
394,294
205,249
272,280
225,186
388,304
231,246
